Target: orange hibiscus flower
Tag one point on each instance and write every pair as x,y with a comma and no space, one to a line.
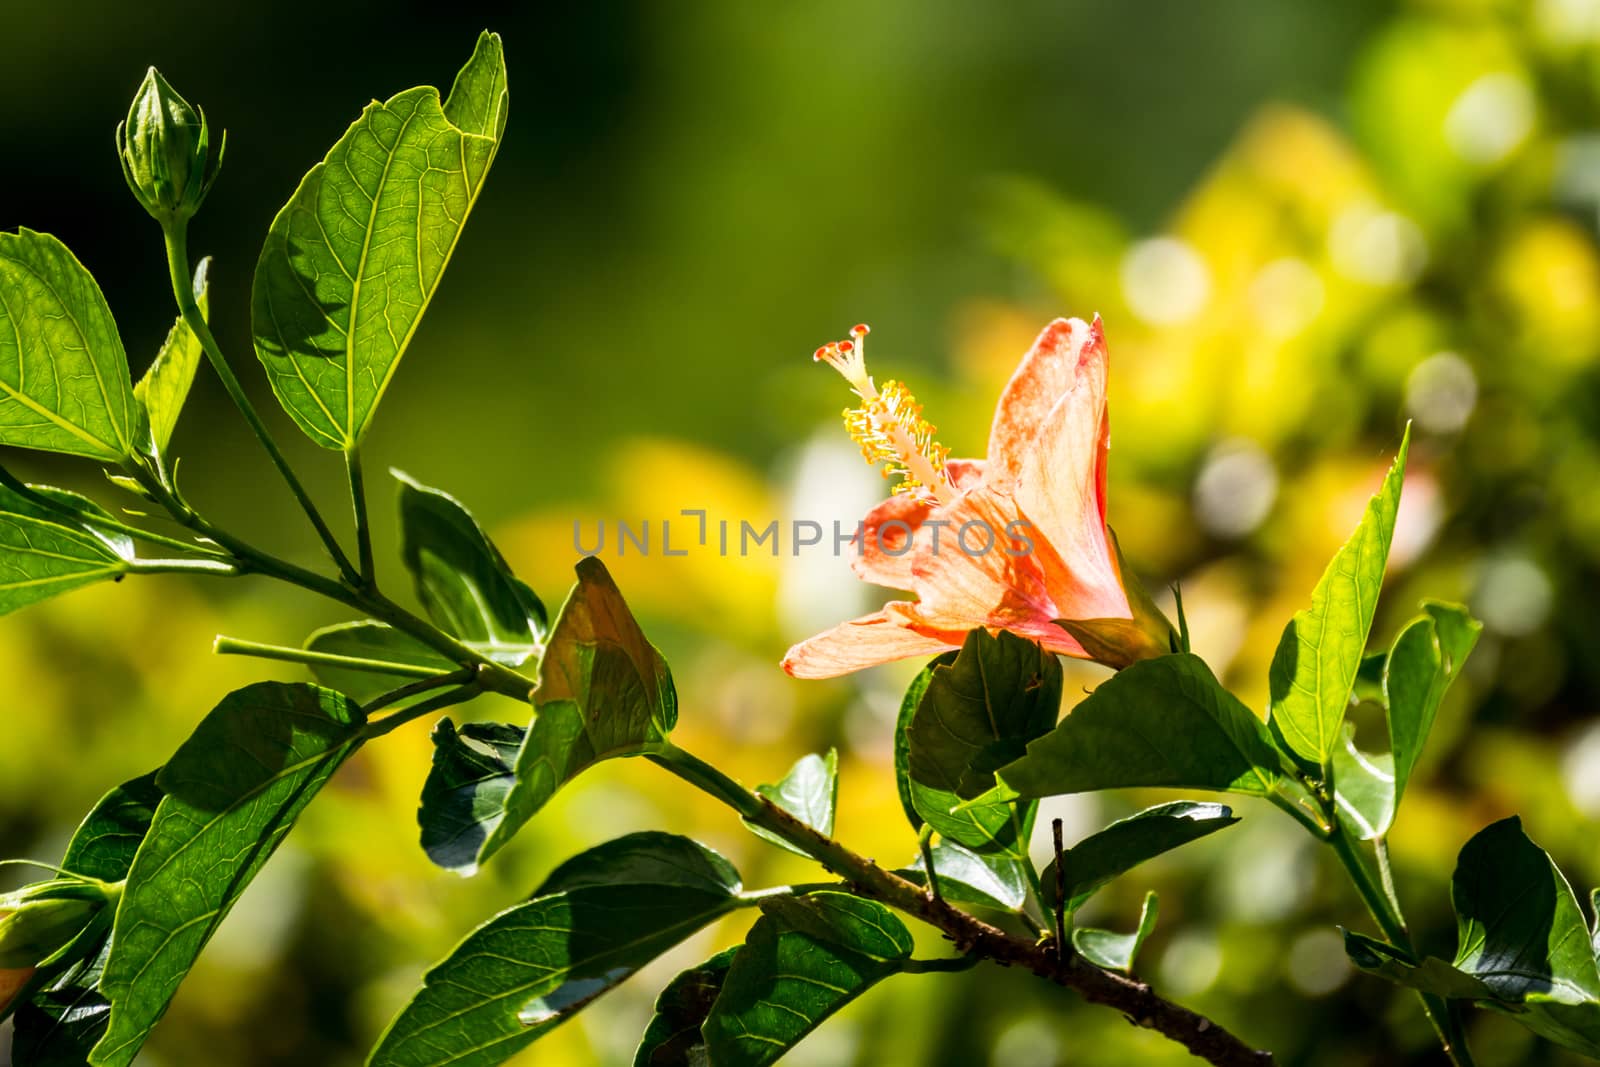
1015,542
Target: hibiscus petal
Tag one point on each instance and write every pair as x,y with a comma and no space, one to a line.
1049,371
865,642
882,549
978,572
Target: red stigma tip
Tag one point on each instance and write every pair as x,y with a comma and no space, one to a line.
846,346
861,329
819,354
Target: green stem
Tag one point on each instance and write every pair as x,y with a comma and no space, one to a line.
233,646
218,567
942,966
99,522
1447,1022
493,676
971,936
379,727
925,847
183,291
358,501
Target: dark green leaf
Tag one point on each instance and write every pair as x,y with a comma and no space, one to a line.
463,799
233,790
809,792
534,966
648,857
43,552
978,713
604,691
804,959
106,841
1320,655
1126,843
64,384
1432,975
673,1038
1160,722
902,735
1519,926
988,880
374,641
1113,951
461,578
354,258
165,386
61,1023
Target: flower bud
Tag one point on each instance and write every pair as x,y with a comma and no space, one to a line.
165,148
38,921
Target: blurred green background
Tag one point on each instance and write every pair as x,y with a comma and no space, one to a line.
1304,224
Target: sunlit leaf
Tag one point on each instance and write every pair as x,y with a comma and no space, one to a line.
64,384
1126,843
1426,658
165,386
1430,975
1317,660
1160,722
43,552
1113,951
604,691
463,799
985,879
1364,786
530,968
803,960
673,1037
809,792
233,791
461,578
355,257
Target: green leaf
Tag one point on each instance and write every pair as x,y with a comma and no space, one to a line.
1363,788
1317,660
463,799
647,857
64,384
1431,975
804,959
1113,951
604,691
1425,659
1126,843
165,386
1518,924
1594,909
978,713
1416,673
988,880
106,841
1522,943
355,257
43,552
374,641
1161,722
60,1024
461,578
809,792
902,735
534,966
673,1038
233,790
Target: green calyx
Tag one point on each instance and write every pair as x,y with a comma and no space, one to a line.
164,145
39,920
